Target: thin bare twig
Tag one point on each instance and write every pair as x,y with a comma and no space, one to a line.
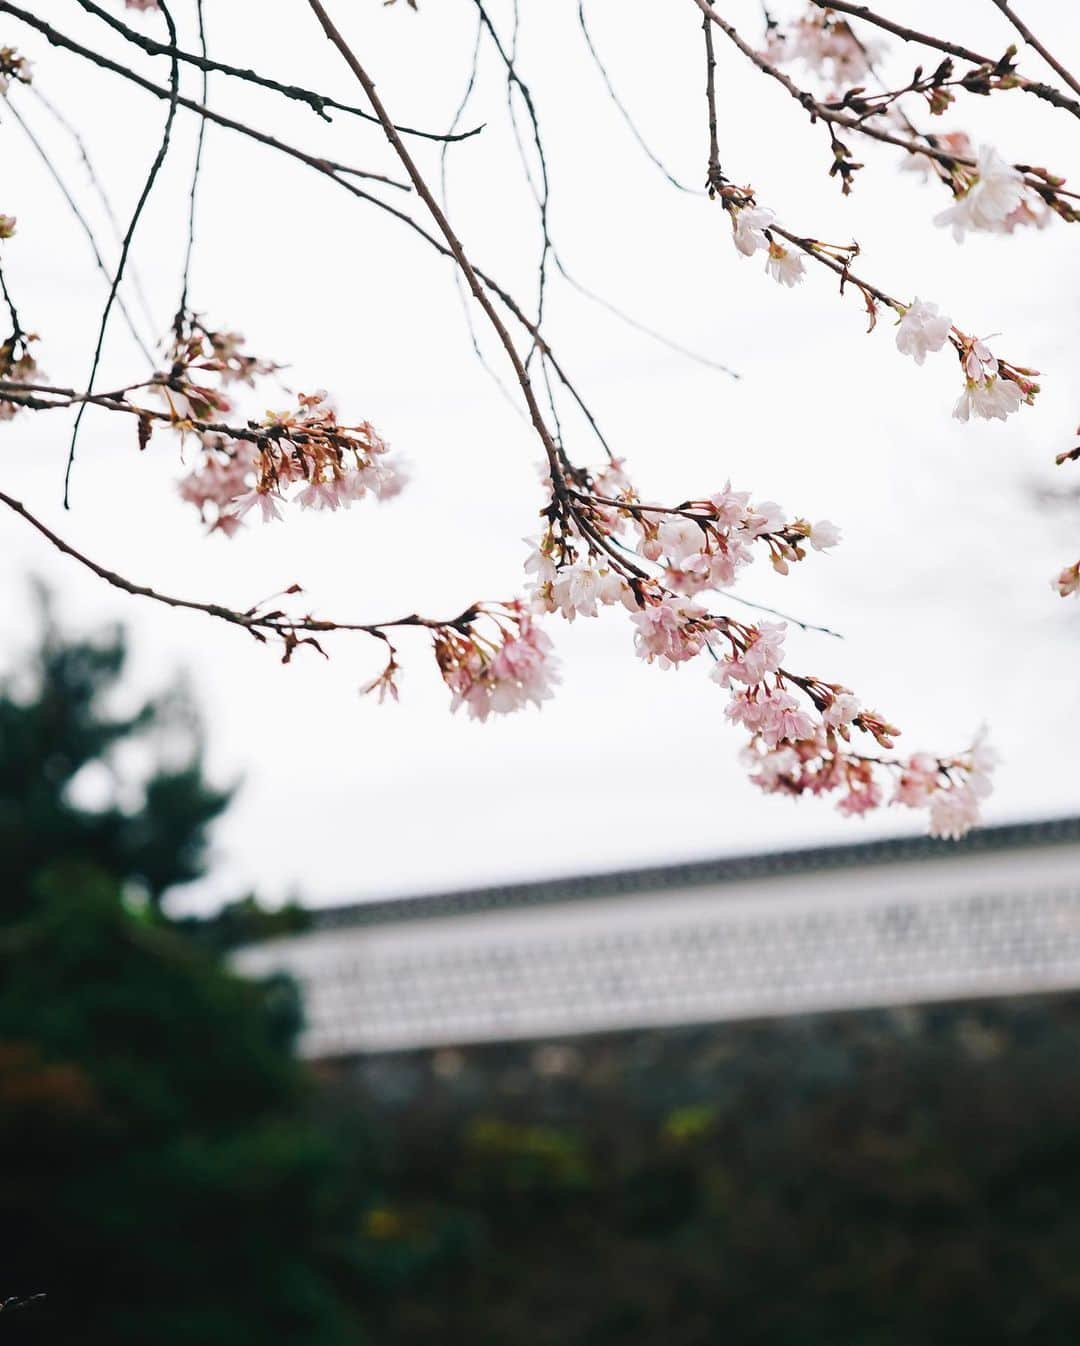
155,167
99,188
182,307
551,450
328,166
318,102
84,224
624,112
323,166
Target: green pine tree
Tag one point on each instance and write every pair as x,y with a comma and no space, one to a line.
163,1179
56,725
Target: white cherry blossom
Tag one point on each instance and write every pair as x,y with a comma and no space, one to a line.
750,224
785,266
996,192
922,329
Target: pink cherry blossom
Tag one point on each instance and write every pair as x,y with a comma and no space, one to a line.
918,782
669,631
824,535
1068,582
766,517
264,500
680,538
953,812
763,654
840,711
730,506
498,680
957,143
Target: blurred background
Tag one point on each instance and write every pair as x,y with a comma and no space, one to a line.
179,1163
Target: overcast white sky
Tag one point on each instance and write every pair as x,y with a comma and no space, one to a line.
941,586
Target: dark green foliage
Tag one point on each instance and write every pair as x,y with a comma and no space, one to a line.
159,1171
55,722
875,1179
244,921
162,1180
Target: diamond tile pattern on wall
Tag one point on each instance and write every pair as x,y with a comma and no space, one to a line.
833,928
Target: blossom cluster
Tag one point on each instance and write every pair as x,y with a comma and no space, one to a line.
751,231
991,195
825,44
951,790
197,351
698,545
499,670
800,727
304,457
993,389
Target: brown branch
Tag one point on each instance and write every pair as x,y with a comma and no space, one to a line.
903,31
812,249
324,166
472,279
1046,92
261,626
714,177
316,101
474,283
1032,41
832,116
58,39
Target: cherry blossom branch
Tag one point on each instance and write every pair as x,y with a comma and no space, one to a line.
541,194
478,290
1032,41
601,543
1040,90
332,171
257,623
1037,179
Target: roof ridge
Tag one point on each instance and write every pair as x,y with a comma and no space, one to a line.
691,873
